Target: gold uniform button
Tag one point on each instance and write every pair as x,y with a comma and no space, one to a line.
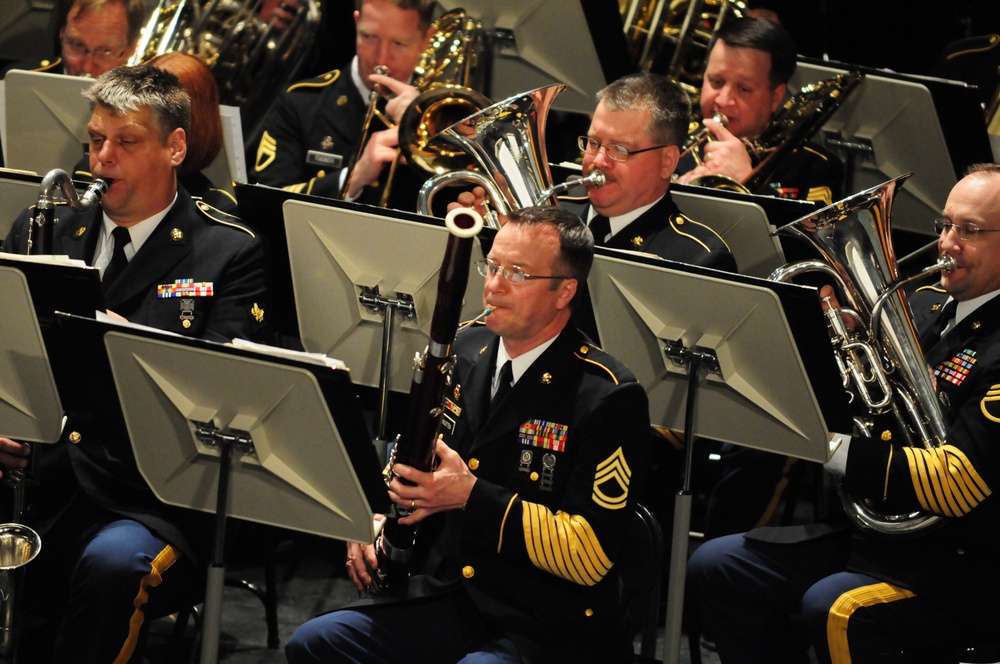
584,350
534,477
468,571
473,464
75,437
589,613
886,436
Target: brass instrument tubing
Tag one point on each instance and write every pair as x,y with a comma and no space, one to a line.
373,96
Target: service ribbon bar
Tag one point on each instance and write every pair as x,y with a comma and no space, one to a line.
185,288
547,435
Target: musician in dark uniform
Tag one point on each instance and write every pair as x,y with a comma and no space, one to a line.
865,596
633,139
114,557
750,61
531,491
311,135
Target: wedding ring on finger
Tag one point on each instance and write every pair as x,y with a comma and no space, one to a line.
413,504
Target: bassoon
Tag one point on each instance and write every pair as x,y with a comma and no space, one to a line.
414,446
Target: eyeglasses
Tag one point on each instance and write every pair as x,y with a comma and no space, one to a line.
966,231
513,275
103,56
615,152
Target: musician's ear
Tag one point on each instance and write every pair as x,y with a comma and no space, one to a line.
567,289
668,161
777,96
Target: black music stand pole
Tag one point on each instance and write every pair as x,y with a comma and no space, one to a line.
698,363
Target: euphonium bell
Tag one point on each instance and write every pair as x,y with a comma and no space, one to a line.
18,546
507,144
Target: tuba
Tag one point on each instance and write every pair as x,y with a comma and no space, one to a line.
252,61
506,141
680,30
881,361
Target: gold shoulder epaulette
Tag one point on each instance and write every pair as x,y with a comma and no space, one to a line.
936,288
48,65
224,218
321,81
593,356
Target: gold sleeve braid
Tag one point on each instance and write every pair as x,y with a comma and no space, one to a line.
945,480
564,545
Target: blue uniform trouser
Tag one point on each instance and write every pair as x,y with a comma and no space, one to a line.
439,630
93,595
767,601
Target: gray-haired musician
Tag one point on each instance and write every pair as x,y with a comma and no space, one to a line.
633,139
545,440
866,597
114,556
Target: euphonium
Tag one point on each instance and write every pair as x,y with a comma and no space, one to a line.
431,374
881,361
18,546
507,143
40,225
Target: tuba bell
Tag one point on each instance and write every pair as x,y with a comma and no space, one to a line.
506,141
881,361
251,60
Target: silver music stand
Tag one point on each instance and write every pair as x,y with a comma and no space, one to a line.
30,408
743,225
352,272
46,120
265,438
889,125
531,44
744,352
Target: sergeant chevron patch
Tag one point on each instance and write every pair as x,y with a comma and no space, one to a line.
611,482
990,405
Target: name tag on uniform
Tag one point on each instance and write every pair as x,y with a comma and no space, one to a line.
326,159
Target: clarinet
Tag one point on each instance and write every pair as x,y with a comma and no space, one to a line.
41,224
414,446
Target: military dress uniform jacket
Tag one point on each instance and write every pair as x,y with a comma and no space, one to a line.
955,565
225,263
559,462
311,134
663,231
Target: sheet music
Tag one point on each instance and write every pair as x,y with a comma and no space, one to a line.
312,358
232,131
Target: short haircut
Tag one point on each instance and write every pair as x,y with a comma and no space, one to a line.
135,13
662,98
983,169
130,88
576,242
424,8
204,138
761,34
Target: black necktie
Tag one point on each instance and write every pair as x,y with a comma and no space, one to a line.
933,333
600,226
118,262
503,387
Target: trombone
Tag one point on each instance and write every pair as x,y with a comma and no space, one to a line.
370,113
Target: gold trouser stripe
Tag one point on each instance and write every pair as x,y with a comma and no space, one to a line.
945,481
844,608
163,561
563,544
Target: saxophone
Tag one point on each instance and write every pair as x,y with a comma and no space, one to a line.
414,446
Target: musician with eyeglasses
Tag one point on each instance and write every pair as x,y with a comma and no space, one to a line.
311,136
860,595
543,451
633,138
96,35
750,61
